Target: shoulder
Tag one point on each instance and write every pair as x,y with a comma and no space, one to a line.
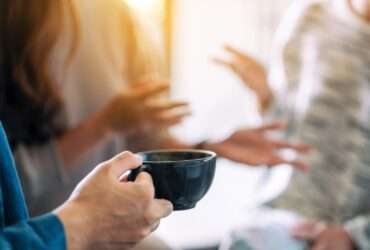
299,16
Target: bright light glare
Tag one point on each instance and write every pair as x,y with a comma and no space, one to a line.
153,8
144,5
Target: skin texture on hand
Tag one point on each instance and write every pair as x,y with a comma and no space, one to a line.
323,237
107,212
251,72
253,147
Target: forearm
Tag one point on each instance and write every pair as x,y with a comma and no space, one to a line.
79,140
42,233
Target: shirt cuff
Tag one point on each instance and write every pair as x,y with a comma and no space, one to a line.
51,230
359,230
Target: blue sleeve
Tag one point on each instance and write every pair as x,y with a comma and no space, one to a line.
42,233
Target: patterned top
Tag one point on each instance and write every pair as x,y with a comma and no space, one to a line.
324,63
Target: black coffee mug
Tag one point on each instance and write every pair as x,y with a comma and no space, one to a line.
180,176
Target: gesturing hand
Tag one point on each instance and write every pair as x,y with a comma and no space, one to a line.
139,107
323,237
253,147
106,212
251,72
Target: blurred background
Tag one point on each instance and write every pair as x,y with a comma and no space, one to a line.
193,33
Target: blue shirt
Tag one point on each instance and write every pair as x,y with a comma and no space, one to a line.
17,231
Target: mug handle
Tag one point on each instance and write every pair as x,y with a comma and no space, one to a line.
135,172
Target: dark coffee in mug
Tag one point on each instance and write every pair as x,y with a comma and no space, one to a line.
180,176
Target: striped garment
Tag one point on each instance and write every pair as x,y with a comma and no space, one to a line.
323,76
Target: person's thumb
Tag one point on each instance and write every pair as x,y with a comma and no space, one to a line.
122,163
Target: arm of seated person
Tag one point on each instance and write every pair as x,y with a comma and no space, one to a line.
42,233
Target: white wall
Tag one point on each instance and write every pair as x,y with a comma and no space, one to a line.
220,102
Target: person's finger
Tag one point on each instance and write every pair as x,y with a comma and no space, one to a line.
222,62
123,162
166,105
169,123
238,53
300,147
145,180
276,160
124,178
300,165
161,209
271,127
151,89
158,210
235,66
155,226
170,118
320,245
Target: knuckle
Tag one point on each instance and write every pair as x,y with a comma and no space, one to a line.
105,166
168,206
124,156
145,192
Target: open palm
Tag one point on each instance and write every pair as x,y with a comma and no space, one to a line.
254,147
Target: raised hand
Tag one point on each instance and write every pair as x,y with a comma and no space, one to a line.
106,212
139,108
253,147
251,72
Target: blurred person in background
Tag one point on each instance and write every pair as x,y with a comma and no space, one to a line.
87,89
321,79
35,103
125,212
263,19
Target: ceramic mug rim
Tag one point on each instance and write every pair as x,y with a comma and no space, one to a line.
209,155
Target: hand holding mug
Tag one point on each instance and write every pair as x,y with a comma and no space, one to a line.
180,176
107,212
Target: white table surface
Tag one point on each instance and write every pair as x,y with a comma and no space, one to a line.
235,188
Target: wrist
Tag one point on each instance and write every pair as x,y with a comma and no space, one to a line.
201,145
265,99
76,225
209,146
